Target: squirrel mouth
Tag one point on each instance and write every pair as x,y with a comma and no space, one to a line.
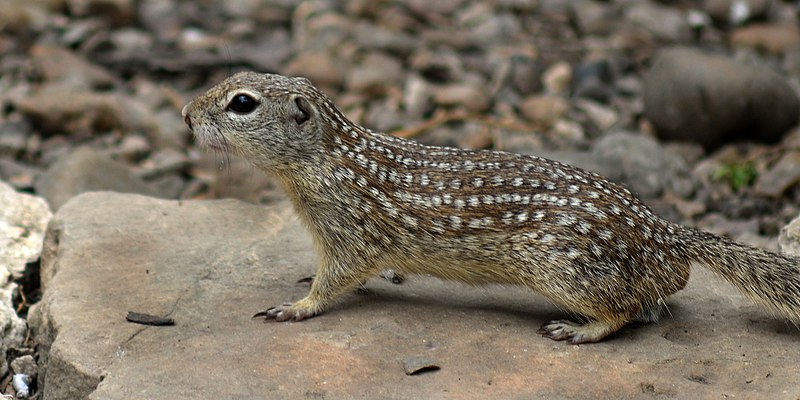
210,140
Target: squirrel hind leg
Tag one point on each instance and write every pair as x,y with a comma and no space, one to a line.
650,313
575,333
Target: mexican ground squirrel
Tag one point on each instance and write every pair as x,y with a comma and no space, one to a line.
373,201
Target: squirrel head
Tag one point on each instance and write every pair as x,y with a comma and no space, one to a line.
274,121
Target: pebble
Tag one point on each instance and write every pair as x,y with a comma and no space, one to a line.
780,177
470,96
544,109
557,78
601,116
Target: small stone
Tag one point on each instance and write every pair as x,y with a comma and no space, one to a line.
557,78
602,117
569,130
417,97
416,365
544,109
468,95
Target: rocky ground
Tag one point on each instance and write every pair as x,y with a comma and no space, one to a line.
691,104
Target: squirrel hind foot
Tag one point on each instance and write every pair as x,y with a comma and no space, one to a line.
575,333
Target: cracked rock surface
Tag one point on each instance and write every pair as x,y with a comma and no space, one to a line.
210,265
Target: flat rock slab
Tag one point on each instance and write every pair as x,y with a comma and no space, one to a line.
210,265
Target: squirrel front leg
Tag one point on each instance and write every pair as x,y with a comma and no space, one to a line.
332,280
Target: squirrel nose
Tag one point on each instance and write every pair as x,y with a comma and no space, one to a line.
186,117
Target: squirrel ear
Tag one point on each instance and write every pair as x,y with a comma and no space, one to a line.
303,112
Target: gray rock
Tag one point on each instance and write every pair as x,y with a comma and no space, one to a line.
211,265
711,100
23,219
86,170
642,164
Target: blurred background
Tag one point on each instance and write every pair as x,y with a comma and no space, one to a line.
691,104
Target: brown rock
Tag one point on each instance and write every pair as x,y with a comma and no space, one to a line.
774,39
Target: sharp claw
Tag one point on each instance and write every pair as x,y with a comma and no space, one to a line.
265,314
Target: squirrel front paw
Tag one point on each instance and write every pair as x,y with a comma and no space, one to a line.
297,311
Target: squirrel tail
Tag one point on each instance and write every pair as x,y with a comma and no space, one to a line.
767,278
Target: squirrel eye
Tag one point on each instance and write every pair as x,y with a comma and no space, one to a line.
242,103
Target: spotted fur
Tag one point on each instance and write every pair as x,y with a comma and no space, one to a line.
373,201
